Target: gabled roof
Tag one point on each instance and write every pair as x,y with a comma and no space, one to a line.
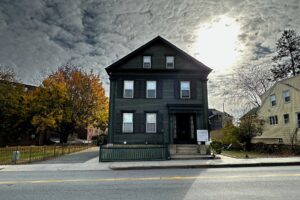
283,82
250,113
149,44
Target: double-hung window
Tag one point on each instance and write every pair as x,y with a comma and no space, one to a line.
151,122
170,62
146,61
185,89
286,96
273,120
128,89
273,100
151,89
127,122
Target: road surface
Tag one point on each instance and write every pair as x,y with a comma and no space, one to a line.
168,184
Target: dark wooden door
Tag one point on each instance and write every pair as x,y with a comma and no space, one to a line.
184,129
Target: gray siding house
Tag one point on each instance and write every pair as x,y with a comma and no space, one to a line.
158,95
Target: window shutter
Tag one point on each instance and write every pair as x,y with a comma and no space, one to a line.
142,124
142,84
119,122
136,122
120,88
160,123
159,89
136,88
176,89
194,89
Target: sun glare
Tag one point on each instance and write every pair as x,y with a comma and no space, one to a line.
217,42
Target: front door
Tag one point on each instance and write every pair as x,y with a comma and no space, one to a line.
185,129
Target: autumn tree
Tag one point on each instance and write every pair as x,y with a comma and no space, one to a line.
69,99
11,107
287,58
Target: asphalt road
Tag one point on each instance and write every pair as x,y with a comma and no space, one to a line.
229,183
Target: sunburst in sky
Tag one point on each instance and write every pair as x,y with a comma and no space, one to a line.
217,43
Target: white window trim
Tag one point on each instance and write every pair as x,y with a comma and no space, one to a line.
188,90
145,62
173,66
147,96
147,131
273,95
283,94
123,123
132,89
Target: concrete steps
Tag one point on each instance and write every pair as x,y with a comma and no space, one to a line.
187,149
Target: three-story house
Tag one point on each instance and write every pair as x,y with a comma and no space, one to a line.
158,95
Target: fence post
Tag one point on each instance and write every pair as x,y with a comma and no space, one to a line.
54,150
30,154
15,158
44,156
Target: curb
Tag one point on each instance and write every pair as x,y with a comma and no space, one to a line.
238,165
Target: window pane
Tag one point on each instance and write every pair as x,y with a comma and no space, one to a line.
151,118
128,127
185,93
127,117
185,85
170,59
147,59
151,127
151,85
128,85
151,94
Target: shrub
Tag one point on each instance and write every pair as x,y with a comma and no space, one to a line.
99,139
216,146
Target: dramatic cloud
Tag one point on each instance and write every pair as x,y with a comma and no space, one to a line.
38,36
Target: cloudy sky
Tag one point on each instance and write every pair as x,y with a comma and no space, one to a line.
37,36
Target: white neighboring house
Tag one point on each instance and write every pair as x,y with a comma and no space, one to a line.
279,113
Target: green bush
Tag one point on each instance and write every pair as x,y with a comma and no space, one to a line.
99,139
216,146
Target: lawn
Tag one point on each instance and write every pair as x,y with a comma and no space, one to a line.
251,154
35,153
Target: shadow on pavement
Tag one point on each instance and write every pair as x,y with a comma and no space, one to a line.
78,157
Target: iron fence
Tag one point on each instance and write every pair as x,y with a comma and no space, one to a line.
28,154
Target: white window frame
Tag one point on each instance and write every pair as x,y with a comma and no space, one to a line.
147,123
181,83
147,89
144,62
285,96
130,122
273,98
172,62
131,82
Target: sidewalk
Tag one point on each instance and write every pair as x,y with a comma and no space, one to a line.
222,162
93,164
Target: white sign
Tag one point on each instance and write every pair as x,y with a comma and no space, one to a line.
202,135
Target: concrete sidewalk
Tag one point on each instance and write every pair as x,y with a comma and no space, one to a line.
93,164
222,162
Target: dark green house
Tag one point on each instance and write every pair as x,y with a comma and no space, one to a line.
158,96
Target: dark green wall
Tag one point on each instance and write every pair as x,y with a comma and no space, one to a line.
167,87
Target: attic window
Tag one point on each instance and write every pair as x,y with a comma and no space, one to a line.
147,62
170,62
